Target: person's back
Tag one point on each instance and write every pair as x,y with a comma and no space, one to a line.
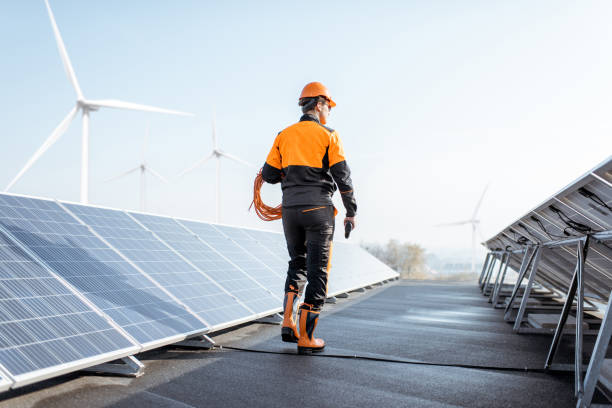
308,159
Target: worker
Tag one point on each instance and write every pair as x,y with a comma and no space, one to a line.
307,158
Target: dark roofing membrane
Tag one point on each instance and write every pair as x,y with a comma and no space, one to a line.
428,321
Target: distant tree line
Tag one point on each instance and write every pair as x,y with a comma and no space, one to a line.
409,260
412,262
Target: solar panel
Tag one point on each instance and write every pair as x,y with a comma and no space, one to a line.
263,252
353,267
160,262
582,207
45,329
262,282
220,270
75,254
567,240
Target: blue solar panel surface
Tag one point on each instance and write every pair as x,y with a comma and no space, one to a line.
230,278
260,299
274,241
161,263
42,323
72,251
263,252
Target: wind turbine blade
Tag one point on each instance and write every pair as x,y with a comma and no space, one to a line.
156,174
64,54
125,173
113,103
55,135
449,224
196,165
236,159
480,202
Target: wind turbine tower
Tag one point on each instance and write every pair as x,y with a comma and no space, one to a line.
217,154
475,223
85,106
143,168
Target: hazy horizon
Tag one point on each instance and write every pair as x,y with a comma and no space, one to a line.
435,100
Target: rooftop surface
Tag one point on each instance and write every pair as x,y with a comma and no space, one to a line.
404,320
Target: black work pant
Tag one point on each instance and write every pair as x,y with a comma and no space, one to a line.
309,231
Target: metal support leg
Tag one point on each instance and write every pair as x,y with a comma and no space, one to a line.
527,258
501,283
567,306
499,271
597,358
484,268
485,282
532,274
581,255
128,366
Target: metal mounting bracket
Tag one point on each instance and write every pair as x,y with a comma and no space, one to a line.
202,342
128,366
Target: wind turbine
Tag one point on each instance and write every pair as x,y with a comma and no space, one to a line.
475,222
85,106
144,168
217,154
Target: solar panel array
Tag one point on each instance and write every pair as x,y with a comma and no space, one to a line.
83,285
583,207
566,242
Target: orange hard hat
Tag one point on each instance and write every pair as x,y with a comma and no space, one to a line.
314,89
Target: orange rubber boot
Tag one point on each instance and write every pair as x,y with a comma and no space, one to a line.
289,332
307,343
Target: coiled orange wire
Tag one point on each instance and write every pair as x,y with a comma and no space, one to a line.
265,212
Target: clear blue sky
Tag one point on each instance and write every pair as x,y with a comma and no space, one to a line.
435,99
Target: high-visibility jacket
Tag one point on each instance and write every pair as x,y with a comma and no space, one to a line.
308,159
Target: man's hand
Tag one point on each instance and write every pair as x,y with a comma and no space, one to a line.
351,220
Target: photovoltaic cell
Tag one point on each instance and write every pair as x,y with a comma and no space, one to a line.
42,323
263,252
207,260
254,268
95,270
274,241
161,263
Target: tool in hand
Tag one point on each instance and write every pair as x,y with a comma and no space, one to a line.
348,227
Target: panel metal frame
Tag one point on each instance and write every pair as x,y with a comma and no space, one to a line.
6,380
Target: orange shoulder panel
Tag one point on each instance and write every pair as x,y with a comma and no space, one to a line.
303,144
274,157
336,151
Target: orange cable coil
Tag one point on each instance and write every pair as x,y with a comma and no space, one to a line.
265,212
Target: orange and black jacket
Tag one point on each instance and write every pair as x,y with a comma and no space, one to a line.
308,159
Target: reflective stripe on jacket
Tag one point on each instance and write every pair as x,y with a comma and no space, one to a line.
308,159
